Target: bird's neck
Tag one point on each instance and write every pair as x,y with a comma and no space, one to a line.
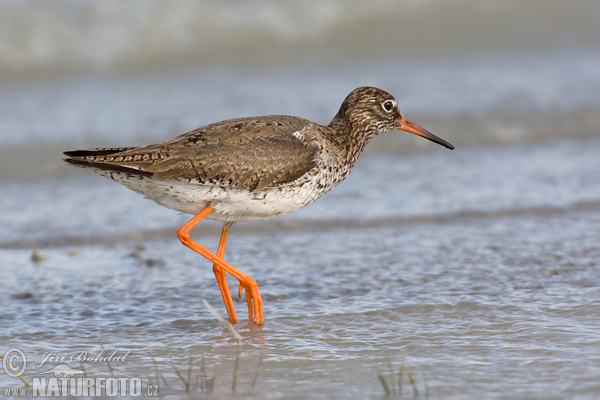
349,141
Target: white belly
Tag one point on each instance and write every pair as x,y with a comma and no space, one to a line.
230,204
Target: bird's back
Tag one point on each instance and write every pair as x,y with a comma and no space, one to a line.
245,153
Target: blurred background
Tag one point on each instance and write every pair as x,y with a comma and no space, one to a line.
513,85
481,262
80,74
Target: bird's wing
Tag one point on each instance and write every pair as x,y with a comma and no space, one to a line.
249,153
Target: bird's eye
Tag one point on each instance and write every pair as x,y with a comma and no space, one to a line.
388,105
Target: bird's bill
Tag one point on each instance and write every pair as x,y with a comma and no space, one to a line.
409,126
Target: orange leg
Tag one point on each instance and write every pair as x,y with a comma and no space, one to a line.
253,298
220,275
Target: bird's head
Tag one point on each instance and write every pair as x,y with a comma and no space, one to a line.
371,111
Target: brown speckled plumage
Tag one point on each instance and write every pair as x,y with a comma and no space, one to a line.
247,153
250,169
258,152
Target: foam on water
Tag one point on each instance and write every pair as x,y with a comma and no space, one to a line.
110,35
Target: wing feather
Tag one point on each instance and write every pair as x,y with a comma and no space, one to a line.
250,153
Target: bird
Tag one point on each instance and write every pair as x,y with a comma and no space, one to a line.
250,169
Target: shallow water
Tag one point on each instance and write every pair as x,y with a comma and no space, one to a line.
475,271
503,306
501,300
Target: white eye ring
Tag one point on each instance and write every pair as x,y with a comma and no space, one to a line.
388,105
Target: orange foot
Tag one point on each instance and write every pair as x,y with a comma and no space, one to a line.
220,266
